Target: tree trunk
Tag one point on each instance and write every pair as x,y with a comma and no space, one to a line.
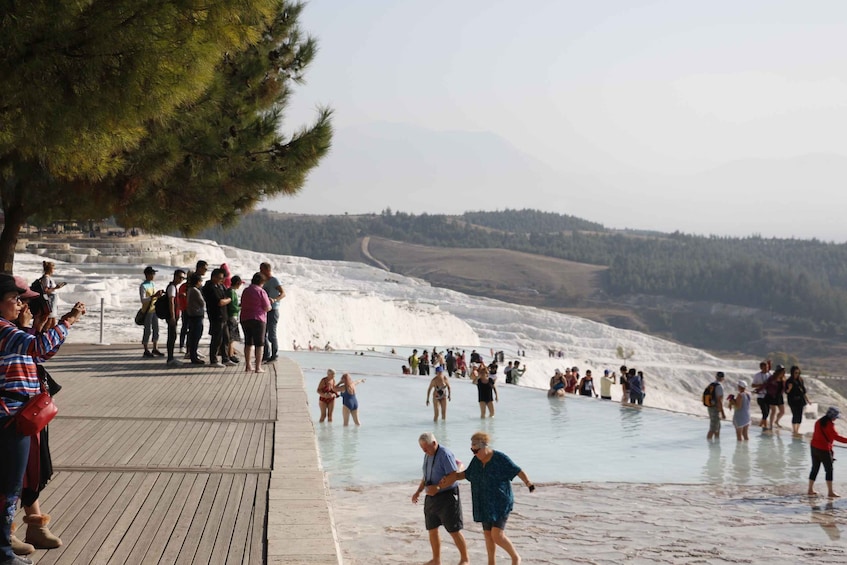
14,219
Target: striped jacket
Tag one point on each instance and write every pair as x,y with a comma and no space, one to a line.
19,350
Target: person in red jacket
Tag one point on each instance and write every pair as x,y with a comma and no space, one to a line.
822,441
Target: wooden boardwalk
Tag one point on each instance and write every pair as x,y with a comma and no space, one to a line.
162,466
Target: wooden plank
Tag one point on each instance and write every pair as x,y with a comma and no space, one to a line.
168,520
137,523
213,522
256,555
243,519
204,444
224,539
158,514
215,456
175,450
70,524
166,434
129,508
141,433
185,518
109,513
199,520
232,449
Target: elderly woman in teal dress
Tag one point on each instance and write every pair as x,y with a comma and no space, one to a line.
490,474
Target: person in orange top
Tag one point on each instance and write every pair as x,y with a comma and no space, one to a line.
822,440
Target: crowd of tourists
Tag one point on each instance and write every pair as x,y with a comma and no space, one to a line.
570,382
773,390
188,300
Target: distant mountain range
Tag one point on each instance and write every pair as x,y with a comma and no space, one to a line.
412,169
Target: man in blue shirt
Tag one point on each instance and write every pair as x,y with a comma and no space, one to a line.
276,293
442,507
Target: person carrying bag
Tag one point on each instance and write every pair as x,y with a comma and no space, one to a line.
18,351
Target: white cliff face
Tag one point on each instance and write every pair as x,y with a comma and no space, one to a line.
356,307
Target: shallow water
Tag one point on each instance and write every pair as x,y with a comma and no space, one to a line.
554,440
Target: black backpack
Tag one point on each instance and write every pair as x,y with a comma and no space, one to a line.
163,306
709,395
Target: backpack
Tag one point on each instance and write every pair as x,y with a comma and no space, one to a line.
36,286
709,395
163,306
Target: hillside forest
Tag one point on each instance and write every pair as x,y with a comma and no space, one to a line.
772,286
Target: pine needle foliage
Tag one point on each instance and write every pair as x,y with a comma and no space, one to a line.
164,114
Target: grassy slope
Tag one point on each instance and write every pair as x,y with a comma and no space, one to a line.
563,286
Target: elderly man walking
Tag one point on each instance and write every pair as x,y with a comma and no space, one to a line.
442,507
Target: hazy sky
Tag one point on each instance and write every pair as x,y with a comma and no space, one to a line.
607,87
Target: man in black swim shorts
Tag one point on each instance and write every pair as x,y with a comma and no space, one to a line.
442,507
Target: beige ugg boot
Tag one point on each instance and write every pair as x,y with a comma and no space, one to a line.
19,547
37,533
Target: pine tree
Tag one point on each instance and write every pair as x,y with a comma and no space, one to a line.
164,114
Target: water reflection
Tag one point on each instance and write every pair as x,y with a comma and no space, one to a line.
715,464
824,516
630,421
741,463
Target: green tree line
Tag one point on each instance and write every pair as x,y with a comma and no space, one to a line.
802,279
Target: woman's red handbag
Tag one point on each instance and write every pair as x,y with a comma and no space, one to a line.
35,414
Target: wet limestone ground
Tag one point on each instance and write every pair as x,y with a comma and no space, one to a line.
611,523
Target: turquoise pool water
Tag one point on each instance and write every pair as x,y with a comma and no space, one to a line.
554,440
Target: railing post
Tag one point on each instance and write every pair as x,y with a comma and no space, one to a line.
102,314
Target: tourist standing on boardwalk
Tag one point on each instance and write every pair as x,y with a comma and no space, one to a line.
48,290
490,474
171,295
39,469
822,442
217,302
276,293
795,393
741,418
195,310
347,389
200,269
441,395
20,381
255,306
442,506
760,381
327,395
233,312
148,294
715,407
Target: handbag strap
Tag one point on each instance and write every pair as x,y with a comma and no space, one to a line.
20,397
